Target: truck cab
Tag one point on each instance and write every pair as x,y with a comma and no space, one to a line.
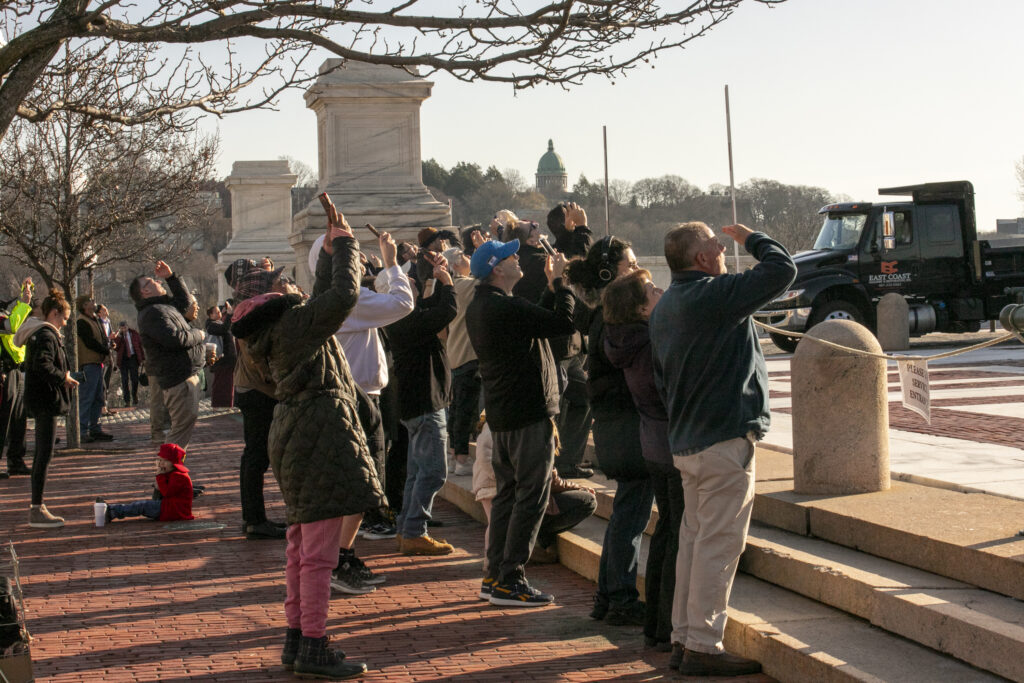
925,249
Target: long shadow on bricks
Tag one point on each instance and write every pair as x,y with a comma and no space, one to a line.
134,602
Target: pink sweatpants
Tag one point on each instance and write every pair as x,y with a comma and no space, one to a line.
312,555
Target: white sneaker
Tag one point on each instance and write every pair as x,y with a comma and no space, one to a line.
463,468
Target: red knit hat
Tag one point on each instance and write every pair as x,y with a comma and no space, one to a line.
172,452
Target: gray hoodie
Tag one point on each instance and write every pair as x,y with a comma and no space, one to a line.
30,327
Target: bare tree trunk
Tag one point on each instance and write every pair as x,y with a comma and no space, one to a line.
22,80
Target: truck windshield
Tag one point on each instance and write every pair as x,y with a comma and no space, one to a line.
841,231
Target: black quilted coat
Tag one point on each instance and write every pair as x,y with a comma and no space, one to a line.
317,448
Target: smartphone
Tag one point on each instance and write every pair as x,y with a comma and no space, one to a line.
325,201
547,245
375,231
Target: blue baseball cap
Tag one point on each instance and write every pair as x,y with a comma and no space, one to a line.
490,254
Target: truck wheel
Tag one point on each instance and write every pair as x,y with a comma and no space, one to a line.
784,341
836,309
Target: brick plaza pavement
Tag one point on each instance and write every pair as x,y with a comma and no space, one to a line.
136,602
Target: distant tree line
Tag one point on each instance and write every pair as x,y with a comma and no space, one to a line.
641,211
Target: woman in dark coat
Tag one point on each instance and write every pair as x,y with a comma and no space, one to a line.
48,385
218,326
316,444
627,304
616,438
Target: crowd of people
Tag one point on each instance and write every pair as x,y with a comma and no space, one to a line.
365,394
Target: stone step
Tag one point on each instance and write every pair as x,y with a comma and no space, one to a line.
971,624
794,637
970,537
977,626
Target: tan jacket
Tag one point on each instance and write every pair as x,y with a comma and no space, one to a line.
85,354
459,349
253,373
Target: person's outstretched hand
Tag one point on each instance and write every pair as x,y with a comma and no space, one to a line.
388,249
553,267
738,232
441,273
162,270
337,226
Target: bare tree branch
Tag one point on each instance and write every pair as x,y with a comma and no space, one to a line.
558,41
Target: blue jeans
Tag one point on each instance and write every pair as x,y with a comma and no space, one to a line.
138,508
90,398
465,407
425,472
631,510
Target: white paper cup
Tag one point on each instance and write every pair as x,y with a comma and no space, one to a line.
101,513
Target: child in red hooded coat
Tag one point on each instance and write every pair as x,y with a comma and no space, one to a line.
175,488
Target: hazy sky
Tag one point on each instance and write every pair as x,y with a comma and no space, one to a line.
849,95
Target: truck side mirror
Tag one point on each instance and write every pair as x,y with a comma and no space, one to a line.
887,241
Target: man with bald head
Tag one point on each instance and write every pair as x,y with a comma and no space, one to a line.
174,354
712,377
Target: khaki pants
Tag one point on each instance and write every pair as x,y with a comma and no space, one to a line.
175,409
718,492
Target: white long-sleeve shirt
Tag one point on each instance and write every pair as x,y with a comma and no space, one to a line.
358,335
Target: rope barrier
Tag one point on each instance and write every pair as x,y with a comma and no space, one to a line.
887,356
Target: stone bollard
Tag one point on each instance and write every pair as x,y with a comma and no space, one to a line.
840,413
893,315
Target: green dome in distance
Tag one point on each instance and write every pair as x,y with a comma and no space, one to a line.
550,163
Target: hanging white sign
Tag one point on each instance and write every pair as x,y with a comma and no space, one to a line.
916,391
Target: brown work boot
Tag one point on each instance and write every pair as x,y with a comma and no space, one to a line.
721,664
425,545
40,518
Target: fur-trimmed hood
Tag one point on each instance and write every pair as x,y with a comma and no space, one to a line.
260,312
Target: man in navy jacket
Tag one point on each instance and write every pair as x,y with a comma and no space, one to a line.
520,382
711,374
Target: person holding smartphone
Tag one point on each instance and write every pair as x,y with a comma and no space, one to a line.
316,443
532,258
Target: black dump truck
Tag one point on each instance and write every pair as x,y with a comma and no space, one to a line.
926,249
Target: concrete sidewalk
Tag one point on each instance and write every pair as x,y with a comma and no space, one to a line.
974,442
138,601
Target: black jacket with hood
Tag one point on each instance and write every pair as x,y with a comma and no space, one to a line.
510,336
46,366
174,349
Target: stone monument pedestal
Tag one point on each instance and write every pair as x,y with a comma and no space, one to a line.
368,135
261,216
893,315
840,413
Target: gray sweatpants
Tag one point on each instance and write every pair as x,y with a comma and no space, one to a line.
522,460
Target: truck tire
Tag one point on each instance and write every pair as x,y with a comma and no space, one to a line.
784,341
836,309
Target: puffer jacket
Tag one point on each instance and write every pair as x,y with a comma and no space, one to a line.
317,449
174,349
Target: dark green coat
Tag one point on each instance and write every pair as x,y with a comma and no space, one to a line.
317,448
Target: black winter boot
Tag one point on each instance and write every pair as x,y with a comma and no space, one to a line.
291,647
316,660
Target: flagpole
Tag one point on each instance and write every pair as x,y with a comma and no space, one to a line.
732,182
607,224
